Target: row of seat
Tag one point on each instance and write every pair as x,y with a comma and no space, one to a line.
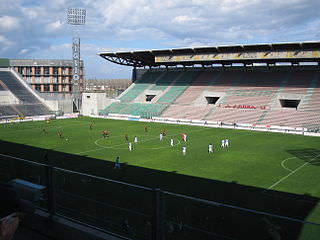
30,105
137,109
183,94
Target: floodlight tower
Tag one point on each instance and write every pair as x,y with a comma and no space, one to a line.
76,17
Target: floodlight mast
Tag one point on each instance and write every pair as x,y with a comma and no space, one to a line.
76,16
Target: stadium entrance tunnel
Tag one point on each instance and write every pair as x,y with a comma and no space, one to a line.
149,98
289,103
212,100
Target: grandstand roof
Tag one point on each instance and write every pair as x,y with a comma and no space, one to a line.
247,54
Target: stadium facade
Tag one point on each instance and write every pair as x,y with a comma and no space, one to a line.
47,75
33,87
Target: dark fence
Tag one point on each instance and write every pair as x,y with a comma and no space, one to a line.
138,212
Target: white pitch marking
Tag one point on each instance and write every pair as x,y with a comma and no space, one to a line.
291,173
282,164
205,128
150,139
285,160
103,147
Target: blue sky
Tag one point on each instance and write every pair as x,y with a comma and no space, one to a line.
38,29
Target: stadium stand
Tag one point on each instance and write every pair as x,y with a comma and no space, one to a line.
196,88
29,104
299,82
142,84
7,110
249,84
137,109
312,98
2,86
179,87
253,97
165,80
292,118
186,111
234,115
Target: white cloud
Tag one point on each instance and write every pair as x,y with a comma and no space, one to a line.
183,19
8,23
54,26
24,51
38,29
30,13
4,41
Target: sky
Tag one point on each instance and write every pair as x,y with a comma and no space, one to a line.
38,28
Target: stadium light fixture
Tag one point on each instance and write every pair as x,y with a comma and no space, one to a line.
76,16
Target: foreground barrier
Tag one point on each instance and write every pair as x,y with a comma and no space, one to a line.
132,211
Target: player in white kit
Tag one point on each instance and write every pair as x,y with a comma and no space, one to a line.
171,142
184,150
210,148
222,143
130,146
161,136
226,142
135,139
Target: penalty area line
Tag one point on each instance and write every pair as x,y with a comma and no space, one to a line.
291,173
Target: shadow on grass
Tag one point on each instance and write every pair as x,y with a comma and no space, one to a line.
112,204
309,155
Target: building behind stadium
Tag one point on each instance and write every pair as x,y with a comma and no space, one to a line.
47,75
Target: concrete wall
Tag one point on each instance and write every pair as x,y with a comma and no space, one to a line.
202,101
7,98
66,106
52,104
92,103
277,106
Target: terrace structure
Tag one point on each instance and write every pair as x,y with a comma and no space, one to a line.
254,84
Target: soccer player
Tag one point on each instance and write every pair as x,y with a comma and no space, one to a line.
146,128
135,139
171,142
184,137
59,134
222,143
126,137
103,133
130,146
184,150
210,148
164,132
91,126
226,142
161,136
44,131
107,133
117,163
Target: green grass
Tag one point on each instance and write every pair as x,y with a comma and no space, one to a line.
253,159
287,165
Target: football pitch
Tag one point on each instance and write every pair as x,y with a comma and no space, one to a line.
270,162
